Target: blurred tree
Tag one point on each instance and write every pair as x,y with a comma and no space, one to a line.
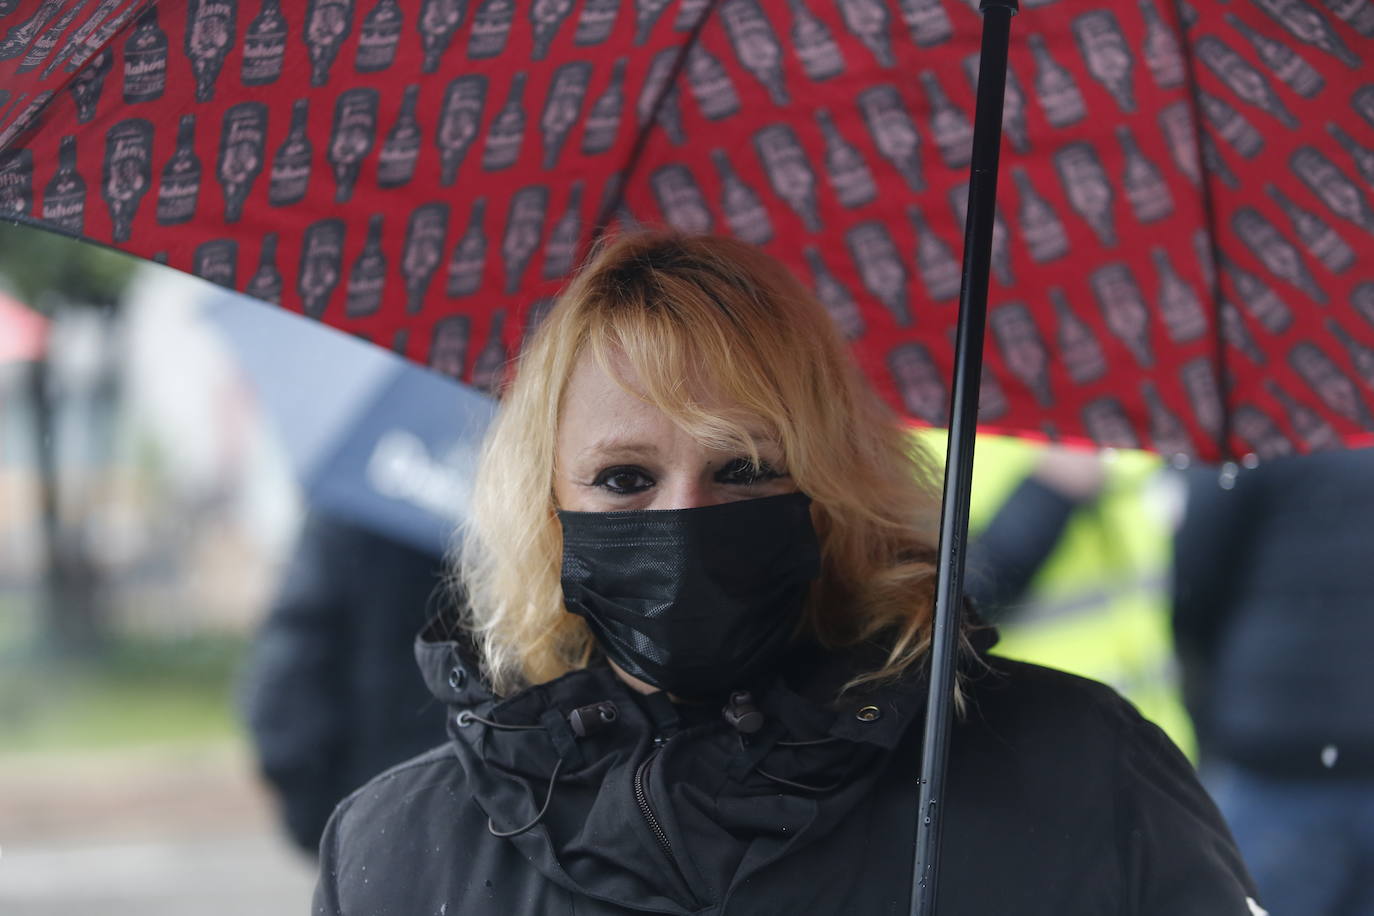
44,268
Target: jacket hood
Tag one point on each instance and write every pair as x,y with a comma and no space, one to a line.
661,807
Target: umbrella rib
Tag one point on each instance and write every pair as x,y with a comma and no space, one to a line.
613,201
1209,213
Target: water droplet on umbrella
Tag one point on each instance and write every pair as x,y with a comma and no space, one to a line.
1329,755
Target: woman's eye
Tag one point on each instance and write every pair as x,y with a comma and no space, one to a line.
743,471
623,480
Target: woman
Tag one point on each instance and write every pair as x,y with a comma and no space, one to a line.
689,677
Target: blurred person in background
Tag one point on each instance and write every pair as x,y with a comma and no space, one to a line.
331,694
1274,612
1069,557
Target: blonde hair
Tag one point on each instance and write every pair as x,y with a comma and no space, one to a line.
691,314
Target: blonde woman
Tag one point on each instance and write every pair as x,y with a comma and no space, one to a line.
688,672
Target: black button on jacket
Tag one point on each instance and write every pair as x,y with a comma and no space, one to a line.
1061,800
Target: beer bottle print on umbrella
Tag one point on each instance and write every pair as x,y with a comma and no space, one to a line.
789,171
507,131
64,196
744,211
656,84
935,261
1108,425
1146,190
563,107
845,169
1055,88
490,366
378,37
560,252
490,29
85,87
546,18
1275,252
820,56
1214,164
217,261
1123,309
1023,349
469,257
327,24
680,199
243,137
210,32
1163,56
596,22
354,130
844,311
1168,435
756,45
524,229
448,347
145,60
1362,101
1237,334
1332,186
1176,124
1322,242
78,39
291,164
1257,430
401,148
894,133
1255,296
321,265
1361,356
422,251
1230,125
1106,54
127,173
47,39
1358,14
367,277
602,123
881,268
264,46
1248,84
1042,232
1281,60
951,128
689,12
179,188
1309,26
646,17
1179,306
1088,189
710,85
18,37
1362,157
266,282
1335,389
1314,432
1079,350
459,121
920,383
867,20
439,19
927,22
1014,126
102,37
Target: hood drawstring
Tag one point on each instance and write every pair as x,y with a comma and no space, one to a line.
585,721
804,787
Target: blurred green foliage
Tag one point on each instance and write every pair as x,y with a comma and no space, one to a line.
140,692
39,264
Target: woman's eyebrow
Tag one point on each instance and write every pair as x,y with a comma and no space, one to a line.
603,448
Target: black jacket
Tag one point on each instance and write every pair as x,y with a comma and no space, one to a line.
1274,614
1062,800
330,692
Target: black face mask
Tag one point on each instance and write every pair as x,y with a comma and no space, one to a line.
693,601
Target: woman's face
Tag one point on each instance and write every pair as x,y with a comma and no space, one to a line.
616,451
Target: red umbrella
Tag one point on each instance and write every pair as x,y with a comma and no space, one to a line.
424,173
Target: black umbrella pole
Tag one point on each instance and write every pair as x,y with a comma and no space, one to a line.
968,372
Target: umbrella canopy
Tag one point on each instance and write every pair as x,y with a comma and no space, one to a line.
373,440
1183,255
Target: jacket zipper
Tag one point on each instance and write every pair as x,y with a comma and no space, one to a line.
642,798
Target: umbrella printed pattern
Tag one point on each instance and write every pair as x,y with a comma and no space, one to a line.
1184,254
